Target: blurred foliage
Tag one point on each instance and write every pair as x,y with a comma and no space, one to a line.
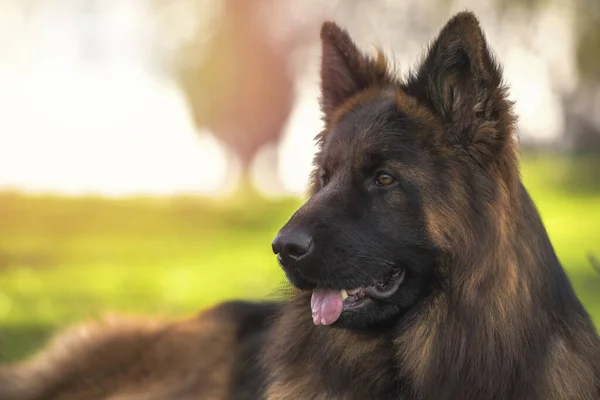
66,259
588,43
587,30
581,125
583,176
526,5
587,25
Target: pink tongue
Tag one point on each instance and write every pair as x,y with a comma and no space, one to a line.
326,306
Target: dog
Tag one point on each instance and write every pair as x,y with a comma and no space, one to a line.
419,264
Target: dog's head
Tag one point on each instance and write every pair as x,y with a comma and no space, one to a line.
403,168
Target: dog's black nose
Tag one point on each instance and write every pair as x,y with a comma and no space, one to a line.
292,245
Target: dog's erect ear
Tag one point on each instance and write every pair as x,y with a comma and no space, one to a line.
345,70
461,83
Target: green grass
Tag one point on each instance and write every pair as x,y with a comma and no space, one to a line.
66,259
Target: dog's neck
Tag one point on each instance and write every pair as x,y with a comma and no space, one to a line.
308,361
506,309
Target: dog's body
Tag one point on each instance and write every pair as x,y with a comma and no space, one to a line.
426,265
211,356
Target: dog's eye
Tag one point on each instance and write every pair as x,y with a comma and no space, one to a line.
384,179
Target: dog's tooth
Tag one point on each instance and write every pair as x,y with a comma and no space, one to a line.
344,294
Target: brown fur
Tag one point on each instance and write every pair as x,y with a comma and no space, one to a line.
129,359
125,358
505,323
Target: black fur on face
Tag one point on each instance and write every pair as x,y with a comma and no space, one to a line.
378,174
364,231
363,225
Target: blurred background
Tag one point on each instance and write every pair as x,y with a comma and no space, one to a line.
151,149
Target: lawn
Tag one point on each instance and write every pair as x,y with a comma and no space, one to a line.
65,259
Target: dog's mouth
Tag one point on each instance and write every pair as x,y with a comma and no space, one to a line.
327,304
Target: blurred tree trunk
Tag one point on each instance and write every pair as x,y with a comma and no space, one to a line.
583,105
582,133
587,28
582,120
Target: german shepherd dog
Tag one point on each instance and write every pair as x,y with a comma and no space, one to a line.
420,265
